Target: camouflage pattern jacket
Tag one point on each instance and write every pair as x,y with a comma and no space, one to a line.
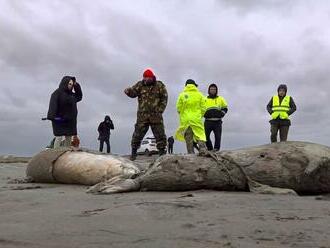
152,101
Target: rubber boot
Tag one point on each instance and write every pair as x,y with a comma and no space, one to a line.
134,154
162,152
202,148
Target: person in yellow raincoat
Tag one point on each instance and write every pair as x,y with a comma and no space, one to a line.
191,108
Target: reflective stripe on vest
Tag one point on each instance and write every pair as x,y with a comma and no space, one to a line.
214,103
281,110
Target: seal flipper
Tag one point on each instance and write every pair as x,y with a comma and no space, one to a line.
312,166
115,185
259,188
316,164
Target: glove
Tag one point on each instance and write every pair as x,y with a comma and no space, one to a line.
59,119
127,91
222,113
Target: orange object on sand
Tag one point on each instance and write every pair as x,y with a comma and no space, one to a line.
75,141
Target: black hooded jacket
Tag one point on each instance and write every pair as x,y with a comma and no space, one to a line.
170,140
214,113
104,128
63,105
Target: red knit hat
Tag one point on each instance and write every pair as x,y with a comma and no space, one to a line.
148,73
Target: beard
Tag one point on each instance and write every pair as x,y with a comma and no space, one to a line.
149,81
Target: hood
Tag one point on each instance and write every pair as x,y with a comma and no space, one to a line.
191,81
282,86
64,83
208,91
190,87
107,118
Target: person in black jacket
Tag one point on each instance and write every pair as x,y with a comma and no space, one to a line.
280,107
216,108
170,142
104,133
63,110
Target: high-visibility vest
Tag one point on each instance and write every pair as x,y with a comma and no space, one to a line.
217,103
281,110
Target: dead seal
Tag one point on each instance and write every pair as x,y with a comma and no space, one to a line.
72,166
284,167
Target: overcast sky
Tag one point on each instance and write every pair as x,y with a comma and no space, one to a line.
246,47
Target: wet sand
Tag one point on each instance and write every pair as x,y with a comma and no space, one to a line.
54,215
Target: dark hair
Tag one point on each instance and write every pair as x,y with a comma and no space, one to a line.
213,86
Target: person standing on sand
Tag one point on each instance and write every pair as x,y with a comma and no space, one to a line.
104,133
216,108
152,99
63,110
191,108
280,107
170,142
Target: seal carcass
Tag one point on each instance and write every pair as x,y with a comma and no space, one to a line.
74,166
300,167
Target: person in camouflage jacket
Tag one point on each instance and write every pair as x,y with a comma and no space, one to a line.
152,101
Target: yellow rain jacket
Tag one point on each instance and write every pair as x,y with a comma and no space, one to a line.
191,108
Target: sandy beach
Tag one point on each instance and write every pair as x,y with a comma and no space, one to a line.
55,215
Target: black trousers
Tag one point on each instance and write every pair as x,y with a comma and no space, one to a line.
216,128
170,148
107,141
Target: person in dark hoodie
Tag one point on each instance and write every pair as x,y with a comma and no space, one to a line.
104,133
170,142
63,110
216,108
280,107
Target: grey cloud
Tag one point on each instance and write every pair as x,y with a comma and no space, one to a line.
247,47
255,5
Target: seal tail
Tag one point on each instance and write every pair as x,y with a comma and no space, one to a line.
115,185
